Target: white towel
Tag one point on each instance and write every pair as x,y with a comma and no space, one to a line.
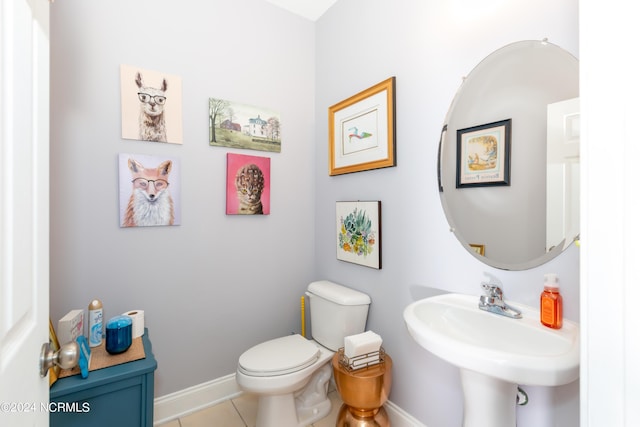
361,344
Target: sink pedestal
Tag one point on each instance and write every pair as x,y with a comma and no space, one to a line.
488,401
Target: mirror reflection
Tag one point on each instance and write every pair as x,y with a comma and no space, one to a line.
509,156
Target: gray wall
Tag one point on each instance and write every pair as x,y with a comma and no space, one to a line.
217,284
428,45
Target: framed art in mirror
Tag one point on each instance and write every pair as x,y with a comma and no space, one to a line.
484,155
358,237
477,248
362,130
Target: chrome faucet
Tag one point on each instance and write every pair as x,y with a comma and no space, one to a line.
493,299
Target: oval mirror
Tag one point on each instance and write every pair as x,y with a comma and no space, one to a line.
509,156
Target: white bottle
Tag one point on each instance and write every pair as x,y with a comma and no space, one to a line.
95,323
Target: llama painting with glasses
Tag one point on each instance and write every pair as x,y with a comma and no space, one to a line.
151,119
151,105
150,187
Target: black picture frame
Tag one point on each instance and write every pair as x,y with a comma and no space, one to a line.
483,155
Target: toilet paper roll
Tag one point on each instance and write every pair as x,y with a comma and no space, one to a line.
360,344
137,326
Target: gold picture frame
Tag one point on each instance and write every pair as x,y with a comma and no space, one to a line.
479,249
362,130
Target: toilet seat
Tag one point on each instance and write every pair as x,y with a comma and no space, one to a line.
279,356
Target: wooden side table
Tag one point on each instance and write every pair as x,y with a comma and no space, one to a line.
120,395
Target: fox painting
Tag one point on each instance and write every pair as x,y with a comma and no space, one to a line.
150,202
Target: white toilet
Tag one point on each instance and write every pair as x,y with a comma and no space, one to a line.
291,374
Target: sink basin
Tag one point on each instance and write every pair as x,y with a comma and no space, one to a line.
521,351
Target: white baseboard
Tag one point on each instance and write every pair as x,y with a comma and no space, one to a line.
193,399
400,418
198,397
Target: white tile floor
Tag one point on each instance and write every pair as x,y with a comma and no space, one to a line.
241,412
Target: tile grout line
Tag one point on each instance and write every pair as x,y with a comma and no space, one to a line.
239,414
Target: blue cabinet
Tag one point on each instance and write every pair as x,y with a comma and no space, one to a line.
120,395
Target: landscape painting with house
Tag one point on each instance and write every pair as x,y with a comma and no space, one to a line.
243,126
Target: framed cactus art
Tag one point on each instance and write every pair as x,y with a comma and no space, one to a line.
358,231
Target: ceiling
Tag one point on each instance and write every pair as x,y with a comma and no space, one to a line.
310,9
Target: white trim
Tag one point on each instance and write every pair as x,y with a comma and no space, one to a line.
400,418
609,291
184,402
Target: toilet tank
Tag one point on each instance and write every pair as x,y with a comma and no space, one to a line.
336,312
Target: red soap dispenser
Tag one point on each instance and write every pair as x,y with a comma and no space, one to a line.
551,303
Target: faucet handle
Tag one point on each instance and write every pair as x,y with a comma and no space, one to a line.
493,286
492,291
492,281
487,287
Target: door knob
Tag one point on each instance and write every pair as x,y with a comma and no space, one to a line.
67,357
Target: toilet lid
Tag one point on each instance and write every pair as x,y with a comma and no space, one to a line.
279,356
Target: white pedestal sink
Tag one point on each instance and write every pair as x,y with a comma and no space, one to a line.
494,353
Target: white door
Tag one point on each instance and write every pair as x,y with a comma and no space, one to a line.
563,172
24,210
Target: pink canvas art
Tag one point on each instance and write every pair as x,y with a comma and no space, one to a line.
248,185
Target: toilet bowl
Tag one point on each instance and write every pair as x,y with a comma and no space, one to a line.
291,374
